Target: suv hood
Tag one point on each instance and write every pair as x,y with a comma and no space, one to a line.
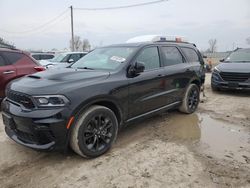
55,80
234,67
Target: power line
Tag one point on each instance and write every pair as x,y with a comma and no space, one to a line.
122,7
38,27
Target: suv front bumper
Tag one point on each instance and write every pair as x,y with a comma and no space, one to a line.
218,82
37,129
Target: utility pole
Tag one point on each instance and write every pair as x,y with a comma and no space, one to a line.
72,30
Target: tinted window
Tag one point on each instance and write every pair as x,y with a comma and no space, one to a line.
13,57
2,62
37,57
46,56
150,58
75,57
171,55
190,54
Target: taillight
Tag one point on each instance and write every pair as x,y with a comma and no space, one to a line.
39,68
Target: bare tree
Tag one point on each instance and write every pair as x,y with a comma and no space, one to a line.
212,45
248,40
77,43
6,43
86,45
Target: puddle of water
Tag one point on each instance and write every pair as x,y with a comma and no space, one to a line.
214,137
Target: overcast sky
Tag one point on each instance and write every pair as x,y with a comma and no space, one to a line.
198,20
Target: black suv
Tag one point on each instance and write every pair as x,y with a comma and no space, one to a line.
85,104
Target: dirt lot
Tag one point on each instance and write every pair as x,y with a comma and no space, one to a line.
210,148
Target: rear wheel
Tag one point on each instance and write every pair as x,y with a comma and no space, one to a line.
191,99
94,132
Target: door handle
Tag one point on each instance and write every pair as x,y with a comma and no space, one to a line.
8,72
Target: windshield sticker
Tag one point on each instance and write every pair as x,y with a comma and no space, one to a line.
118,59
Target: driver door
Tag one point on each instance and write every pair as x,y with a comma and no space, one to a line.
146,91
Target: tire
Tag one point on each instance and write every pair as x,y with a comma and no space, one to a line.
191,99
94,132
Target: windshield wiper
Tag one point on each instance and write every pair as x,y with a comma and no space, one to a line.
85,68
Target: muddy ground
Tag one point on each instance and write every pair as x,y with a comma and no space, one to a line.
210,148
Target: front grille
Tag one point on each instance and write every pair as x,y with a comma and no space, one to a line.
20,98
235,77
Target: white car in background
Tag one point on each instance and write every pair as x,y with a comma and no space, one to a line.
63,59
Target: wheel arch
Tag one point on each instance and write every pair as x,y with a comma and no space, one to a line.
106,101
196,81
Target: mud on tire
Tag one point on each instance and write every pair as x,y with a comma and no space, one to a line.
191,99
94,132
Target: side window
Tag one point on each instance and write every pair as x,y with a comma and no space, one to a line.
75,57
13,57
47,56
150,57
2,62
190,54
66,58
172,56
36,57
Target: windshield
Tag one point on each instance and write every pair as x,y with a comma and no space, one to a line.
108,58
241,55
59,58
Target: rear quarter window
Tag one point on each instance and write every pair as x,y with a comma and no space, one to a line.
190,54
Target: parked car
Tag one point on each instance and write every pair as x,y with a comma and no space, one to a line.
84,105
42,56
63,59
233,72
15,64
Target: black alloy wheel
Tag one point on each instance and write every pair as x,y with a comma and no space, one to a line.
191,99
98,133
94,131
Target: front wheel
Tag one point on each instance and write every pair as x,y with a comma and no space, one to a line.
94,132
191,99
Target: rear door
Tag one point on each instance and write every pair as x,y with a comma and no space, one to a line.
7,73
178,73
196,61
147,90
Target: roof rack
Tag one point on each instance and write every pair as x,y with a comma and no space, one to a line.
156,38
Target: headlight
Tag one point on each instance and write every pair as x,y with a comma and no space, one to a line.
51,100
216,70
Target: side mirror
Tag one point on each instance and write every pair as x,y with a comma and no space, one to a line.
204,56
71,61
136,69
222,60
